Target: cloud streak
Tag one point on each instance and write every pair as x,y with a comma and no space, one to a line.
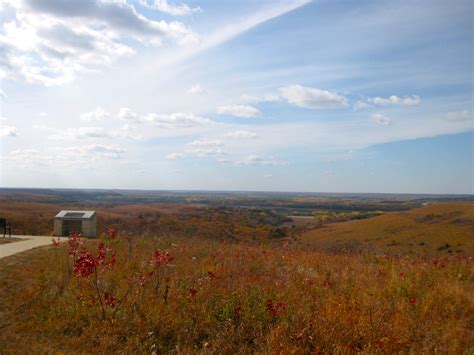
395,100
245,111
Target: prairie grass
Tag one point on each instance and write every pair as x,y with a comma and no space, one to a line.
234,297
438,229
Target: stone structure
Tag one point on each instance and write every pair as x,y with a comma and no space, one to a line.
84,222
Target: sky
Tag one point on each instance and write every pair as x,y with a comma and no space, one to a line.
295,95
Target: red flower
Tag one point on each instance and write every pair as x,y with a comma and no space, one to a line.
101,254
74,243
84,265
109,299
193,292
111,261
56,242
144,278
413,300
161,258
111,232
273,308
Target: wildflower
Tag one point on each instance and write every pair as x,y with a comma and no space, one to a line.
109,299
74,243
85,265
211,275
193,292
144,278
111,262
111,232
273,308
401,275
101,254
161,258
56,242
413,300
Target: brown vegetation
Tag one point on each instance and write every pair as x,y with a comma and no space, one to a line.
228,281
433,229
221,297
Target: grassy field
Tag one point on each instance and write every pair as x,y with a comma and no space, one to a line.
213,296
8,240
434,229
186,279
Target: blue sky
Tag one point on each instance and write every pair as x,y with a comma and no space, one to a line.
296,95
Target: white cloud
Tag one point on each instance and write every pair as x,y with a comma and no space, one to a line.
260,160
205,143
240,135
99,114
263,98
203,152
196,89
101,150
238,111
231,30
52,42
395,100
82,133
360,105
118,15
78,133
460,116
172,120
176,120
8,131
126,132
301,96
23,155
125,114
381,119
174,156
86,153
3,95
312,98
174,10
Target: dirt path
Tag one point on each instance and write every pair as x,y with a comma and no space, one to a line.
28,243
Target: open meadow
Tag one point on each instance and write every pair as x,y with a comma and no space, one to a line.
185,279
434,229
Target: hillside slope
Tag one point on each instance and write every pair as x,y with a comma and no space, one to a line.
433,229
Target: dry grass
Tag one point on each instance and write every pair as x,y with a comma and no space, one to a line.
435,229
38,218
329,302
8,240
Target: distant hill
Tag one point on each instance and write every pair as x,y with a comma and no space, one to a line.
445,228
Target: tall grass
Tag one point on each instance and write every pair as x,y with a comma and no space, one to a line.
221,297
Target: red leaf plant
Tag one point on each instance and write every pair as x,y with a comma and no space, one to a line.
274,308
91,266
161,258
111,232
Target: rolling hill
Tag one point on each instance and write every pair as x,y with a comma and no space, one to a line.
432,229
